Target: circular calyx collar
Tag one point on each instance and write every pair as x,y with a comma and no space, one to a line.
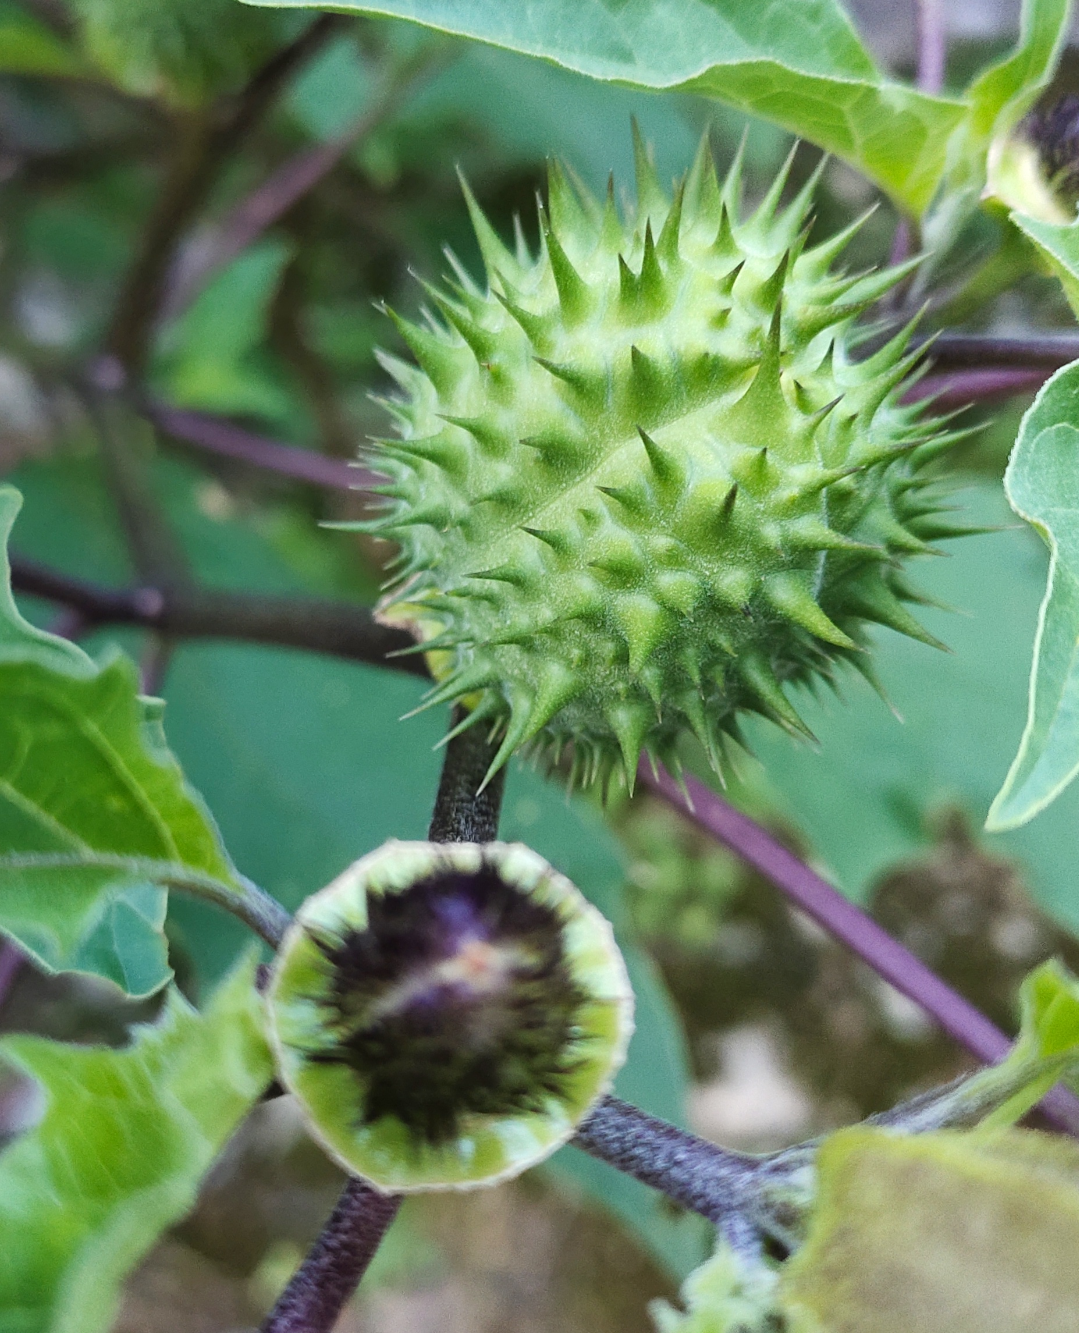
447,1014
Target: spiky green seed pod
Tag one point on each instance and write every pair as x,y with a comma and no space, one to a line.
447,1014
642,482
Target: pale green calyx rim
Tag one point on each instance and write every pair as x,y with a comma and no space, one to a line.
312,1016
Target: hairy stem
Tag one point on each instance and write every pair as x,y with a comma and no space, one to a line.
325,1281
462,812
701,1176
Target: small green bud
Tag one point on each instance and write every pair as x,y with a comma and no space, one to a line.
447,1014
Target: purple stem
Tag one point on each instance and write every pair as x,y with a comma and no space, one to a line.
221,437
338,1260
931,46
848,924
964,387
1047,350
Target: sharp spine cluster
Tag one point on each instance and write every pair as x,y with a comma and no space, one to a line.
641,483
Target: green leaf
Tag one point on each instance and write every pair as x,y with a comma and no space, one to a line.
118,1155
1045,1052
1002,94
943,1233
27,46
1058,246
95,816
1042,484
801,66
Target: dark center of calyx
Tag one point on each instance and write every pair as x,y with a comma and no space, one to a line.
455,1000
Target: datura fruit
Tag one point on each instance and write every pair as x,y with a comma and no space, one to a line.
643,482
447,1014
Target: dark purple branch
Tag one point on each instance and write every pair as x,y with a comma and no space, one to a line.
221,437
462,812
325,1281
962,388
699,1175
316,625
848,924
1049,350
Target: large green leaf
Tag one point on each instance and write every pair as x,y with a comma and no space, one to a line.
118,1155
1042,483
95,816
799,65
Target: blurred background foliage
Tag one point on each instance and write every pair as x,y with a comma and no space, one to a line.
751,1026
